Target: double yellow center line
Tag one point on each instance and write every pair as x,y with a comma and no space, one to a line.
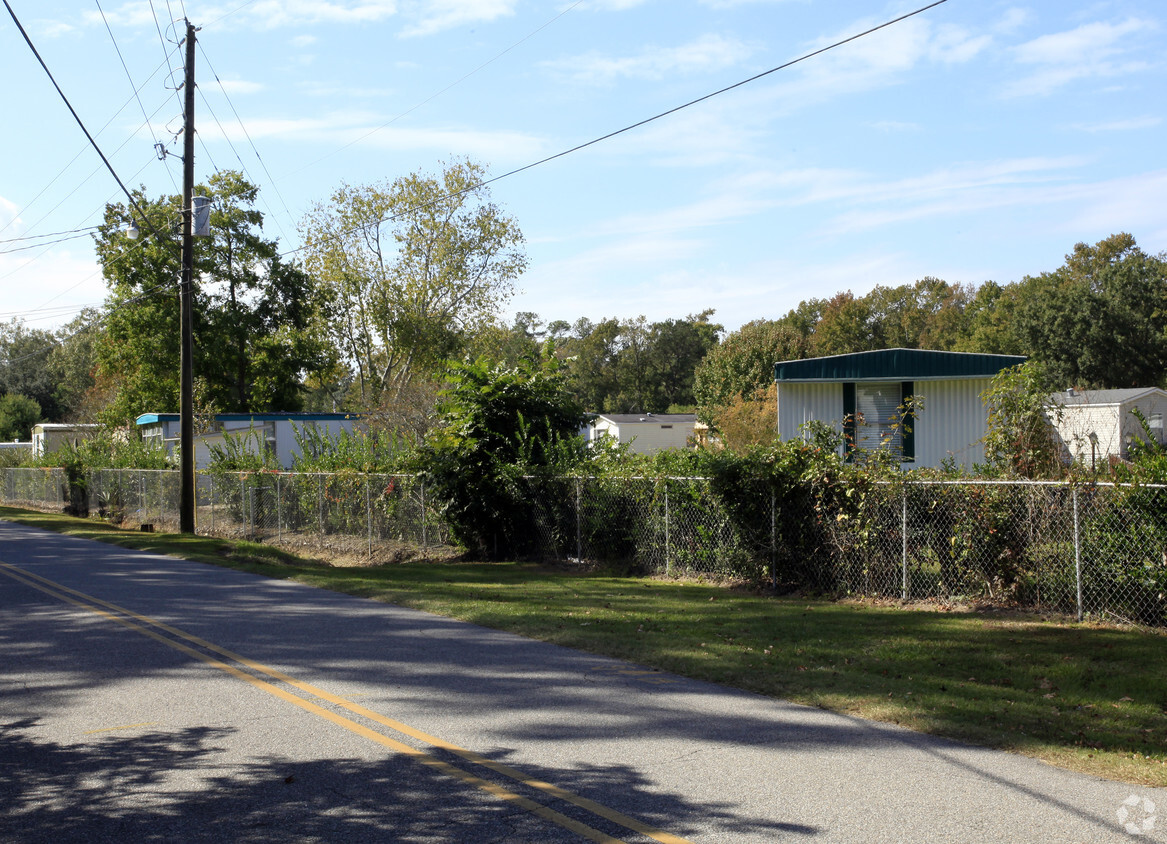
178,640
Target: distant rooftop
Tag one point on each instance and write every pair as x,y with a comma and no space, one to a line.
1079,397
666,418
895,365
293,416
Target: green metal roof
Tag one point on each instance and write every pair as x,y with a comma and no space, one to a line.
895,365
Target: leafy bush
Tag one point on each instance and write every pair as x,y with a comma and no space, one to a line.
499,425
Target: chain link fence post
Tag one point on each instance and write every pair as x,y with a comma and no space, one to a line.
668,556
369,516
1077,553
578,527
279,508
773,539
904,538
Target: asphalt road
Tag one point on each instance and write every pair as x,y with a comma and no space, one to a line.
144,698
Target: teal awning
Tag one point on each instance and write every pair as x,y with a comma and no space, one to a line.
895,365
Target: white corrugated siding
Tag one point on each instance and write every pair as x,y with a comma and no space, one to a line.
646,437
952,422
800,403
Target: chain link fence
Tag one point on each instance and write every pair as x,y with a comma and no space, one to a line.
379,517
1094,551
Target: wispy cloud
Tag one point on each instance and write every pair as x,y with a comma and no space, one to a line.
710,52
51,29
418,17
262,14
241,86
343,129
1130,125
431,16
879,60
8,215
1093,50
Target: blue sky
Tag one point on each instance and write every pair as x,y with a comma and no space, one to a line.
978,140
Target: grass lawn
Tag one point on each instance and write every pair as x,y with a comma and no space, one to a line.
1085,697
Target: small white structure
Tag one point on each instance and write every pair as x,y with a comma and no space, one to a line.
277,432
47,437
645,433
861,394
1095,425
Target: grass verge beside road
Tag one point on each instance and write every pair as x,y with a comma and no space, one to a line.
1085,697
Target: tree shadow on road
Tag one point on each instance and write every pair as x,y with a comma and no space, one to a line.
180,786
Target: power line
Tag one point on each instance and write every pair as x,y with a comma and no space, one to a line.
73,160
437,94
130,79
39,245
72,111
646,121
246,134
165,50
49,234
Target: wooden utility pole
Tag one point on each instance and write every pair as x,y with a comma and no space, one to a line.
186,498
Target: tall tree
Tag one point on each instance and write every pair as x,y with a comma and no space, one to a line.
24,366
71,364
1100,320
252,317
253,314
410,269
18,414
743,364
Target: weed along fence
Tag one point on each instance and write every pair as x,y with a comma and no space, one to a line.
1092,550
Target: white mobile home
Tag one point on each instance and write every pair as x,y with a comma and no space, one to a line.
274,431
861,394
1095,425
646,433
47,437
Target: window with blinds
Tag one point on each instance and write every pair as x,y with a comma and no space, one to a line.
876,409
872,411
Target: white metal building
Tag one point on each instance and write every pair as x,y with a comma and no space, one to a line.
273,431
646,433
47,437
861,395
1094,425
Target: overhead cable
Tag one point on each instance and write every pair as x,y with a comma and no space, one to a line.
644,122
72,111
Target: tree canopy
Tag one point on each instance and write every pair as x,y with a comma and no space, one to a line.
253,315
410,270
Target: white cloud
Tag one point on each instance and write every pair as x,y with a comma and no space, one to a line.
52,29
710,52
431,16
1013,20
8,215
1130,125
1093,50
418,17
52,286
240,86
611,5
360,129
889,126
875,61
303,41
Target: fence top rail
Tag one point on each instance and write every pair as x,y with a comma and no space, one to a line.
1017,482
966,482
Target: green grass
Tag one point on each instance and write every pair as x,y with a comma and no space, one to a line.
1085,697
